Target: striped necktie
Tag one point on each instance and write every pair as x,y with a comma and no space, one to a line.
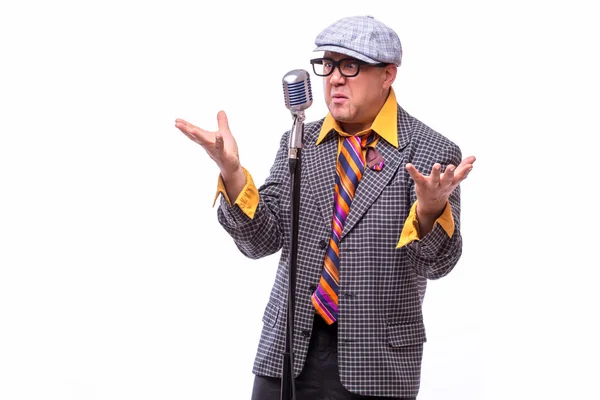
350,168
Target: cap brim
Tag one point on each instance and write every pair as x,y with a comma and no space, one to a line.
348,52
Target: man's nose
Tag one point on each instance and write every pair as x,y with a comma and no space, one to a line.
336,77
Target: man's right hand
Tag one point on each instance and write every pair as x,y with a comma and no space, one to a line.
222,148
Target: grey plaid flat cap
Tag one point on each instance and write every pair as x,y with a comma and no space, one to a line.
361,37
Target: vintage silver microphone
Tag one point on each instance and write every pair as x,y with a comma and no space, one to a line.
297,94
298,97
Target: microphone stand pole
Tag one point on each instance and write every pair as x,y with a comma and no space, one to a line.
288,387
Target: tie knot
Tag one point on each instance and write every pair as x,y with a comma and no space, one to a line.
367,137
359,134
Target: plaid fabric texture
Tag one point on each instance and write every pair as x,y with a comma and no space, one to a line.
363,38
380,323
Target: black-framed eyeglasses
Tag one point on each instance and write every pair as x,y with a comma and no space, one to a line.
348,67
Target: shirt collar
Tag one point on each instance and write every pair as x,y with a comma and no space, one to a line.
385,123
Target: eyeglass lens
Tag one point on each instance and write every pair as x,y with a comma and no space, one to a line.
347,67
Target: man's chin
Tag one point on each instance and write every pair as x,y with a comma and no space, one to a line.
339,116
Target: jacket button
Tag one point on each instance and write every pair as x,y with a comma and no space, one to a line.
323,244
305,333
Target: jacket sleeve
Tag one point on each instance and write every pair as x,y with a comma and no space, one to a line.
261,235
436,254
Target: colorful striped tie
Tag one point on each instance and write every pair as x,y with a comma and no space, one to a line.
350,168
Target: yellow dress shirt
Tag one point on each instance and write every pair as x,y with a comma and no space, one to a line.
385,125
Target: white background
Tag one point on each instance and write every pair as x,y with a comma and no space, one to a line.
116,281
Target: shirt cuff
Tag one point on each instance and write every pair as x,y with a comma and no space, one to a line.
410,231
248,198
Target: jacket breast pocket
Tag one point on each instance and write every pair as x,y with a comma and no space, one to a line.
271,314
406,334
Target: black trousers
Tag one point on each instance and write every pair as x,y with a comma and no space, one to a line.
319,379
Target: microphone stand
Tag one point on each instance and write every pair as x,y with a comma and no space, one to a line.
288,387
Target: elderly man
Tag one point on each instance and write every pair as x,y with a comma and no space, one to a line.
379,214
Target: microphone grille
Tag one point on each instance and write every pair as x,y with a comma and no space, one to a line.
297,90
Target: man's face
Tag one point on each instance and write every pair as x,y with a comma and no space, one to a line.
355,102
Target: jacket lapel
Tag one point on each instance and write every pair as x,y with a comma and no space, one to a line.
319,165
373,182
320,170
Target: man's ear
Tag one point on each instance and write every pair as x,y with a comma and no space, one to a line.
390,74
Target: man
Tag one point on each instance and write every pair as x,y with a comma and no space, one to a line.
379,215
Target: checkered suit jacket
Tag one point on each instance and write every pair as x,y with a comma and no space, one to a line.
380,326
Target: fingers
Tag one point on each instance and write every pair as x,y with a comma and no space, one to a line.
452,176
436,188
469,160
214,143
414,173
447,180
448,175
434,177
464,168
194,133
223,123
436,171
467,163
203,137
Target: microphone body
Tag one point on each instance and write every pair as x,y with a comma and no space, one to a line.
298,97
297,94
